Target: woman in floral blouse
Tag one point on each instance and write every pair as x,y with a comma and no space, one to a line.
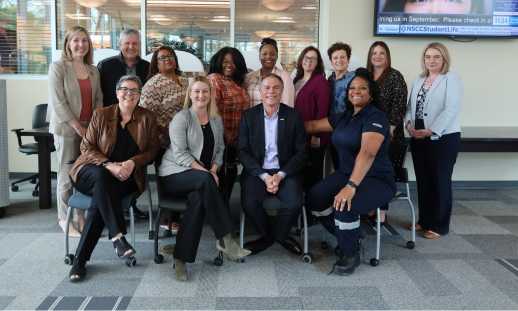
227,75
164,94
393,96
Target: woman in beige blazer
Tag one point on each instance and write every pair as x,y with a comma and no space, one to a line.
75,92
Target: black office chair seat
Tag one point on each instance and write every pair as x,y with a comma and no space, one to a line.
29,148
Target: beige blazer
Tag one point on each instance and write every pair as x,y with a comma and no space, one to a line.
65,96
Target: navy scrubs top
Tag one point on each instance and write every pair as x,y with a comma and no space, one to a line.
347,139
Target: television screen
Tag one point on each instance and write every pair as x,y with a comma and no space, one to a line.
447,18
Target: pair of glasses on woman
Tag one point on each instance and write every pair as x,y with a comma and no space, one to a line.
164,58
126,90
312,59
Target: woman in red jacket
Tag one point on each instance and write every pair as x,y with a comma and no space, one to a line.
312,93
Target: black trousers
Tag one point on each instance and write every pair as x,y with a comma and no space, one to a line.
164,215
345,225
106,207
231,174
314,171
203,197
433,166
290,193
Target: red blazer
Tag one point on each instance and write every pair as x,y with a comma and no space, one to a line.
313,101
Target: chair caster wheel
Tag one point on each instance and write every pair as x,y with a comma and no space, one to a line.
338,252
324,245
131,262
2,212
218,261
168,233
35,193
241,260
69,259
237,232
300,232
308,258
375,262
151,235
410,245
14,188
159,259
33,181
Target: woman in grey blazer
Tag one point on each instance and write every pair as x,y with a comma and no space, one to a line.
189,169
75,92
431,120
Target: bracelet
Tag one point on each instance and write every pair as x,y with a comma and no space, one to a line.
213,172
354,190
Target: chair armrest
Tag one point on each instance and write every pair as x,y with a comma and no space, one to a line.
71,161
17,131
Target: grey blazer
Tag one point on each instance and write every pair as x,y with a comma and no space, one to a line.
187,143
65,96
441,106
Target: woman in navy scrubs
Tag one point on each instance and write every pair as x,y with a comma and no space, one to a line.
365,179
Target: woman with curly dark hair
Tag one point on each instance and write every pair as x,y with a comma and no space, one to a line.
365,179
227,75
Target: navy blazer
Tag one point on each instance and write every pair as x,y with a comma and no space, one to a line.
291,141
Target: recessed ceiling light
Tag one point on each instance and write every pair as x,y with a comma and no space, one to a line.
309,8
285,17
220,16
219,20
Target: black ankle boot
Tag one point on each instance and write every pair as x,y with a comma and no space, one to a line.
345,265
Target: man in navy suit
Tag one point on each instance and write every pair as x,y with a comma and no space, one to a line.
271,145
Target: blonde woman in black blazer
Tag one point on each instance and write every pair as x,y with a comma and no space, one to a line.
72,80
431,120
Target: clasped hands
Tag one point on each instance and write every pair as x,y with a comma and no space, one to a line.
121,170
419,134
272,182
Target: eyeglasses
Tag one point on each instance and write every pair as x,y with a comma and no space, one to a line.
313,59
126,90
164,58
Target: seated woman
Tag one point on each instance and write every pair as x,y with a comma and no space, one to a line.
119,141
189,169
365,179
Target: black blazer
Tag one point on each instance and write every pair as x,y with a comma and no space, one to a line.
291,141
111,69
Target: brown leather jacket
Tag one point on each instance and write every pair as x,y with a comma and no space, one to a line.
100,138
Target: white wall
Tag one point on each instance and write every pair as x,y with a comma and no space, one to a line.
489,70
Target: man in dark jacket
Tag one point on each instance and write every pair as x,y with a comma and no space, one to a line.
128,62
271,145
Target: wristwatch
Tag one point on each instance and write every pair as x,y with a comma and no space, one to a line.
352,184
104,164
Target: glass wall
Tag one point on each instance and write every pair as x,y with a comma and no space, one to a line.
25,36
292,23
199,27
105,19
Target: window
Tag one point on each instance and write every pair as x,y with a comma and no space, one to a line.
25,36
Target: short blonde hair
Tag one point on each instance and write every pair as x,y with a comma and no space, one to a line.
445,55
66,53
212,109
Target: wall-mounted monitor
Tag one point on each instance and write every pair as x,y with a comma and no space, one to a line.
446,18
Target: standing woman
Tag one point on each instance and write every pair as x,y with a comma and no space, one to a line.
340,56
227,76
268,55
393,95
75,92
164,94
431,120
189,168
312,100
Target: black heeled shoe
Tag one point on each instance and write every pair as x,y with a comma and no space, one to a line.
79,269
382,223
121,247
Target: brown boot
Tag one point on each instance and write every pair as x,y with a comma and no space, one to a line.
180,270
231,248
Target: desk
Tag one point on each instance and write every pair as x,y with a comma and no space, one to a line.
487,139
45,146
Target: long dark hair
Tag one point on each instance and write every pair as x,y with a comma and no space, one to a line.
319,69
153,67
388,65
374,89
216,64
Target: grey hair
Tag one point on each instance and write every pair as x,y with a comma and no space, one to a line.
270,75
129,78
129,32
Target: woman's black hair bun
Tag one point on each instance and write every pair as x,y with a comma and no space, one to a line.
363,72
269,41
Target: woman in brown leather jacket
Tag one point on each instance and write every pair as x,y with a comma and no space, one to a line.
119,141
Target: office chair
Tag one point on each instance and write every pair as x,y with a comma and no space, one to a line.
397,155
38,120
82,202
